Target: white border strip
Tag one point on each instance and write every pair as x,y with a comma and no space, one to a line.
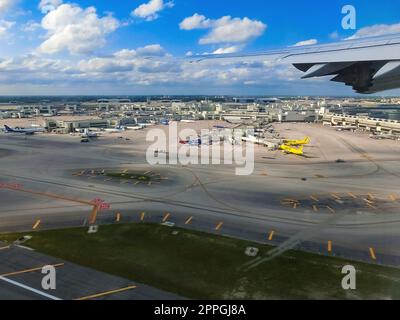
41,293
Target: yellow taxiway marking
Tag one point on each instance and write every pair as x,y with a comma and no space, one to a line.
271,235
352,195
93,215
368,201
314,198
188,221
118,217
287,203
219,225
371,196
329,246
331,209
5,248
372,253
335,196
289,200
315,208
392,197
166,216
102,294
30,270
36,225
371,206
142,216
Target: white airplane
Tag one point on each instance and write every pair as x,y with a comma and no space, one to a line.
385,137
89,134
345,128
271,145
369,65
135,128
145,125
27,131
114,130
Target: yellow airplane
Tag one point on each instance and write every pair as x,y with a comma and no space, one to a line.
305,141
290,150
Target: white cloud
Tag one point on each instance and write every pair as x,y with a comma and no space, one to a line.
376,30
132,69
5,26
306,43
196,21
31,26
69,27
225,29
227,50
49,5
152,50
5,5
150,11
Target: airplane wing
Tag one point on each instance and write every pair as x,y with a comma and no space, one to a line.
369,65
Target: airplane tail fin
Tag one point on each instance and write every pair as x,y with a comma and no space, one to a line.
8,129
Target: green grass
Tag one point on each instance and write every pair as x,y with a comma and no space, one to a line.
199,265
129,176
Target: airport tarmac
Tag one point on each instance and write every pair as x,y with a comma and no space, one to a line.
346,190
21,278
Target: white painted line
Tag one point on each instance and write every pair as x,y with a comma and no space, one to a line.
24,247
41,293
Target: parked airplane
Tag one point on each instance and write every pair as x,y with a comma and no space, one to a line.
292,150
191,142
271,145
345,128
138,127
27,131
115,130
369,65
89,134
385,137
292,143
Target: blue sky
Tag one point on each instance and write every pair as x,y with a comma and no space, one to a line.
98,47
